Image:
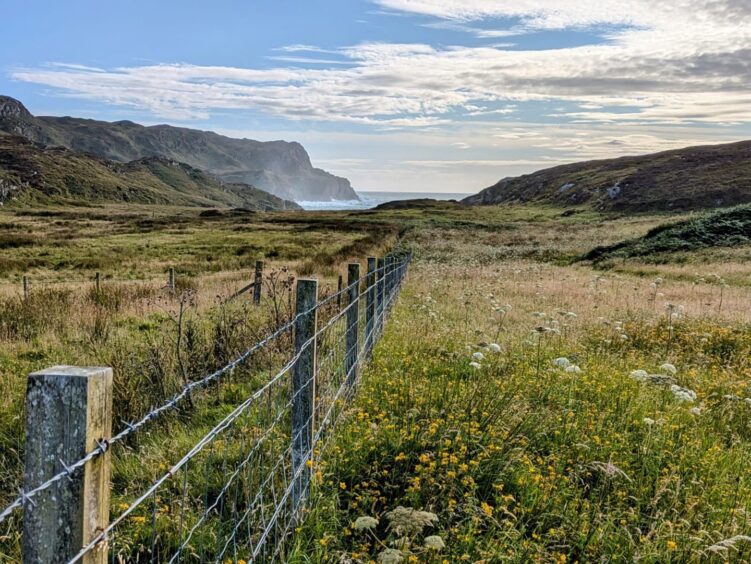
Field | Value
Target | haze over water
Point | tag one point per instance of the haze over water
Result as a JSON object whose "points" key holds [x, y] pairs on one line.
{"points": [[369, 200]]}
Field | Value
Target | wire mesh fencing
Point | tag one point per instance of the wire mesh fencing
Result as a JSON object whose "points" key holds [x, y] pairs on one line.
{"points": [[235, 490]]}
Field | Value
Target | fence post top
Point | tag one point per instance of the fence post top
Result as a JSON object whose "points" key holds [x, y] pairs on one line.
{"points": [[73, 371]]}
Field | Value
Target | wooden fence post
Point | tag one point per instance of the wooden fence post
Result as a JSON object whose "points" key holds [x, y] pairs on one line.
{"points": [[339, 292], [380, 295], [303, 387], [370, 304], [258, 281], [390, 262], [353, 323], [98, 282], [68, 410], [25, 287], [171, 280]]}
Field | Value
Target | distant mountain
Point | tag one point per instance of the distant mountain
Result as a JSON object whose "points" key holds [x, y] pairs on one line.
{"points": [[30, 173], [684, 179], [279, 167]]}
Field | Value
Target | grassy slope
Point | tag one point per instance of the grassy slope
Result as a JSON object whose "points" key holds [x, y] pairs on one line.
{"points": [[725, 228], [522, 461], [684, 179], [514, 459], [64, 176]]}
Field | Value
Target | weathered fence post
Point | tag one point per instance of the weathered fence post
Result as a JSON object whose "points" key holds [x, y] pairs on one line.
{"points": [[258, 282], [353, 322], [68, 413], [98, 282], [380, 295], [25, 287], [171, 280], [303, 387], [339, 292], [370, 304]]}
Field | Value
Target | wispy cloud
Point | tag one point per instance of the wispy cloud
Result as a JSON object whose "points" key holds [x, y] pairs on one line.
{"points": [[688, 60], [665, 67]]}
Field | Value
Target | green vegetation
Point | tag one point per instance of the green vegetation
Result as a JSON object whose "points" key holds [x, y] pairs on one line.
{"points": [[695, 178], [724, 228], [278, 167], [503, 417], [506, 402], [30, 175]]}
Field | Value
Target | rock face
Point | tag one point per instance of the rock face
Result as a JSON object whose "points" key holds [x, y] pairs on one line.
{"points": [[685, 179], [279, 167]]}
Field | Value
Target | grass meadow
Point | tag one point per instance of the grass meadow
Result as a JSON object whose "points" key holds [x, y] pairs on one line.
{"points": [[521, 407], [528, 411]]}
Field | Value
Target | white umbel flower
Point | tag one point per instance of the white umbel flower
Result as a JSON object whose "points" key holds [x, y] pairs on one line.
{"points": [[668, 368], [638, 375]]}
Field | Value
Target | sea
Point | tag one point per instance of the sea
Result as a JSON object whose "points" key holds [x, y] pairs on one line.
{"points": [[369, 200]]}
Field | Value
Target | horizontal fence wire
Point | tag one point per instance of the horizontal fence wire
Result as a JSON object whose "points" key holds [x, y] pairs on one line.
{"points": [[235, 494], [67, 469]]}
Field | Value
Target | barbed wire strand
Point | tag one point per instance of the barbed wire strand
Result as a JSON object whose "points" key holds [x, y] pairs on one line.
{"points": [[131, 428], [242, 408]]}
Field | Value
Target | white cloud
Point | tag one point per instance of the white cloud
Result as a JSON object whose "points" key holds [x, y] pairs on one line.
{"points": [[665, 66], [683, 60]]}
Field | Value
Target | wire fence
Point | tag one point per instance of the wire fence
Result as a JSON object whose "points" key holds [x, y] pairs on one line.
{"points": [[237, 492]]}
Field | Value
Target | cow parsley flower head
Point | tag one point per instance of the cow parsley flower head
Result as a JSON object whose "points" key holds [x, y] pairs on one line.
{"points": [[478, 356], [683, 394], [434, 542], [638, 375], [365, 522], [648, 421], [562, 362], [668, 368], [494, 347], [574, 369], [475, 365], [390, 556], [408, 521]]}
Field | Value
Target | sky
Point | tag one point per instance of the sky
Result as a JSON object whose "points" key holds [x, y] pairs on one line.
{"points": [[398, 95]]}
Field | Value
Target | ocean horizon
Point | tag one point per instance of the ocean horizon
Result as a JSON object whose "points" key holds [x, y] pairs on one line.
{"points": [[371, 199]]}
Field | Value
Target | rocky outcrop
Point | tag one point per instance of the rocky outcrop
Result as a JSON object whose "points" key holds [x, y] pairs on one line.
{"points": [[12, 108], [279, 167]]}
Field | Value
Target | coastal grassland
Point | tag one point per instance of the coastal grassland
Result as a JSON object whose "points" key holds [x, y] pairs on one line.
{"points": [[518, 459], [154, 339], [552, 446]]}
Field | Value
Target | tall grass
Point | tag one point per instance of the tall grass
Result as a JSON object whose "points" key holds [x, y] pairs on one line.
{"points": [[536, 442]]}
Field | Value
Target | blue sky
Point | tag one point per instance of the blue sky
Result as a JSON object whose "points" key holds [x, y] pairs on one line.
{"points": [[413, 95]]}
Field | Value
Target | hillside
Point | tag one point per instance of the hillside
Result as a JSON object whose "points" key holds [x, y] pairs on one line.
{"points": [[279, 167], [30, 173], [724, 228], [685, 179]]}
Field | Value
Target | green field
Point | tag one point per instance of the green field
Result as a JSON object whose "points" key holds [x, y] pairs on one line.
{"points": [[503, 410]]}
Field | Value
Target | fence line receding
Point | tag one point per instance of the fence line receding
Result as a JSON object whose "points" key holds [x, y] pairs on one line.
{"points": [[237, 491]]}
